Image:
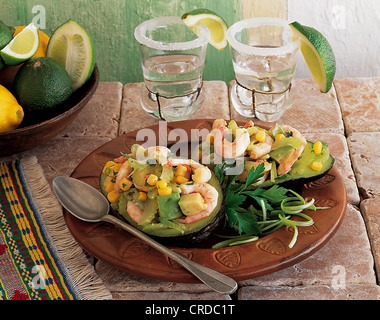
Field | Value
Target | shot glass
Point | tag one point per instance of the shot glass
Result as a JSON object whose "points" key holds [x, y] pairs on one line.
{"points": [[172, 59], [264, 60]]}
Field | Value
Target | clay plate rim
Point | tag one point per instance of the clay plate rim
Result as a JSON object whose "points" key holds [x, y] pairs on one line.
{"points": [[269, 254]]}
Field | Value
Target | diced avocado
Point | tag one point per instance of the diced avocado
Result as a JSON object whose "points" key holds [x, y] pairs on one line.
{"points": [[281, 153], [293, 142], [167, 174], [284, 148], [168, 206], [192, 204]]}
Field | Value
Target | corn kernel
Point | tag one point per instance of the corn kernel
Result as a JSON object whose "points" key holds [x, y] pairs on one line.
{"points": [[107, 165], [125, 184], [181, 180], [110, 186], [142, 196], [162, 184], [165, 191], [180, 171], [279, 137], [317, 147], [316, 166], [113, 196], [260, 136], [152, 180]]}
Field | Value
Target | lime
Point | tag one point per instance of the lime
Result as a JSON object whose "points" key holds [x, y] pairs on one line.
{"points": [[318, 55], [22, 47], [6, 34], [212, 21], [73, 48], [41, 83]]}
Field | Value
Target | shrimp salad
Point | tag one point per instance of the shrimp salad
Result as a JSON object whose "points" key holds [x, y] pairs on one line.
{"points": [[160, 194], [278, 148]]}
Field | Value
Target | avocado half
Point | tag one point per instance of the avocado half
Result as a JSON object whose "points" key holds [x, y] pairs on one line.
{"points": [[190, 234], [301, 172]]}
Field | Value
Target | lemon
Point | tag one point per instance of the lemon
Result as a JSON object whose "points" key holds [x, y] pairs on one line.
{"points": [[22, 47], [73, 48], [212, 21], [41, 83], [11, 113], [318, 54]]}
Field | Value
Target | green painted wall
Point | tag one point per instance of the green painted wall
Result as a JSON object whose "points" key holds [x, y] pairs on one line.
{"points": [[111, 24]]}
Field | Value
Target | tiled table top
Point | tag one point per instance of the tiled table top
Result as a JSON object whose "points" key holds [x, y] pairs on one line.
{"points": [[347, 118]]}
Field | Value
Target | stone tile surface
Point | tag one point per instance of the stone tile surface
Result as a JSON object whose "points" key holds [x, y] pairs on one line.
{"points": [[318, 292], [364, 149], [151, 296], [312, 111], [100, 117], [128, 285], [359, 100], [133, 117], [60, 156], [370, 209], [339, 257]]}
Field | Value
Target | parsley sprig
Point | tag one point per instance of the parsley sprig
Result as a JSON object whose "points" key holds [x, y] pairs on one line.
{"points": [[258, 212]]}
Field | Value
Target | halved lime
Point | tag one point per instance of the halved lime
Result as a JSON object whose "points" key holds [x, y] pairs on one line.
{"points": [[212, 21], [318, 54], [74, 49], [22, 47]]}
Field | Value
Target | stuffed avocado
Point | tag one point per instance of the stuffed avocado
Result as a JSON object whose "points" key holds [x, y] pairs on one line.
{"points": [[287, 156], [164, 196]]}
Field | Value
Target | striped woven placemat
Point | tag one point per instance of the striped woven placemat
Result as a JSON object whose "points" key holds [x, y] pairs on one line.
{"points": [[39, 259]]}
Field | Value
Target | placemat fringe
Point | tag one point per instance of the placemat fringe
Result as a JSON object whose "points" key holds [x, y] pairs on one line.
{"points": [[82, 273]]}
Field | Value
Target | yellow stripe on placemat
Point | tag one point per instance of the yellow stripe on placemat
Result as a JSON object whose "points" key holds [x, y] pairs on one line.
{"points": [[54, 291], [39, 240], [31, 242]]}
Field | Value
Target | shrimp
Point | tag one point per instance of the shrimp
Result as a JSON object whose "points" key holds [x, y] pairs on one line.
{"points": [[262, 148], [210, 196], [125, 171], [201, 173], [224, 148], [134, 211], [287, 164]]}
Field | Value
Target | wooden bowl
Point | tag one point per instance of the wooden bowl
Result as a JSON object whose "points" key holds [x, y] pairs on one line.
{"points": [[38, 129]]}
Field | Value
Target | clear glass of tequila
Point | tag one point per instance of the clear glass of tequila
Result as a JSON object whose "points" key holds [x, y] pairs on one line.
{"points": [[264, 59], [172, 58]]}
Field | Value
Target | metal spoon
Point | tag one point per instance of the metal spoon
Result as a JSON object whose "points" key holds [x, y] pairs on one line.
{"points": [[88, 204]]}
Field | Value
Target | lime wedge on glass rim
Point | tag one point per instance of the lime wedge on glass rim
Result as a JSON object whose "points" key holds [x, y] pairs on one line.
{"points": [[212, 21], [318, 55], [22, 47], [73, 48]]}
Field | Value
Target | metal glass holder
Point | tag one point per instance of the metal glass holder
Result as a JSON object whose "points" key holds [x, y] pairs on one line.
{"points": [[157, 98], [254, 92]]}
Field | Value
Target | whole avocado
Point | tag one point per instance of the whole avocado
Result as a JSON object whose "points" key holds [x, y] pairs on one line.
{"points": [[42, 83]]}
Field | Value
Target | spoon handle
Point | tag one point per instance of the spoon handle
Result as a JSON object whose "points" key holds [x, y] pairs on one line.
{"points": [[215, 280]]}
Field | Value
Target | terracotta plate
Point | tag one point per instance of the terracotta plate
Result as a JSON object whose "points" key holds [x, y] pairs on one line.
{"points": [[271, 253]]}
